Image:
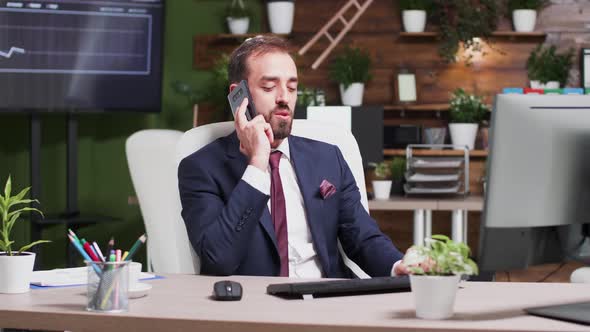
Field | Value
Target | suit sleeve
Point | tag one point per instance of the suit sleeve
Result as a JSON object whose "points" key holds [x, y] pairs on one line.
{"points": [[219, 232], [359, 234]]}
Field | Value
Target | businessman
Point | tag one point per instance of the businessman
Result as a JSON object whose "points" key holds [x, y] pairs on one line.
{"points": [[263, 202]]}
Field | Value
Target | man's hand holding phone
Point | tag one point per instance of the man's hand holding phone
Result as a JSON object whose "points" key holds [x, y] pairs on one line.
{"points": [[255, 137]]}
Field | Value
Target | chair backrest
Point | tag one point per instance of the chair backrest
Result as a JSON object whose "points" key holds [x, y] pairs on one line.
{"points": [[152, 164], [198, 137]]}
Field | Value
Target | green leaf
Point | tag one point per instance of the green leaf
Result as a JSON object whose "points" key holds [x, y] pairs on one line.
{"points": [[11, 221], [23, 201], [17, 199], [28, 246], [21, 210], [2, 245], [7, 188]]}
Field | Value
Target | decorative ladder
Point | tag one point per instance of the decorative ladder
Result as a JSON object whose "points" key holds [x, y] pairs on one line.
{"points": [[324, 30]]}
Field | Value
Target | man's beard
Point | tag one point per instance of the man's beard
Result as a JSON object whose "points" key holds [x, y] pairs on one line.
{"points": [[281, 128]]}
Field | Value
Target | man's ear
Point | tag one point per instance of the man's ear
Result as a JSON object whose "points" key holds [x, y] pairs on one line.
{"points": [[232, 86]]}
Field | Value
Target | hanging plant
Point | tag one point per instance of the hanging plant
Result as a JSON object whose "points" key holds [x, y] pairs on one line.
{"points": [[464, 23]]}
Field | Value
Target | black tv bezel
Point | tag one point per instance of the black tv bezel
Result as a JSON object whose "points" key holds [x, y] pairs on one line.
{"points": [[92, 110]]}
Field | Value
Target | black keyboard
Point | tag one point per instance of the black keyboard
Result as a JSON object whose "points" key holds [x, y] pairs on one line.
{"points": [[341, 287]]}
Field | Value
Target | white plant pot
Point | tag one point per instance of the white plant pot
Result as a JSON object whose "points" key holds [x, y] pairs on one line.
{"points": [[463, 134], [280, 16], [414, 20], [524, 20], [434, 296], [382, 189], [238, 25], [353, 95], [549, 85], [16, 272]]}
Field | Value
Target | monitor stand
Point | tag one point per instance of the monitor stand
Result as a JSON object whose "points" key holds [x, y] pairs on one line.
{"points": [[71, 217]]}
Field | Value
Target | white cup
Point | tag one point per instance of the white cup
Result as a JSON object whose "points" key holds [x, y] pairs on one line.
{"points": [[134, 272]]}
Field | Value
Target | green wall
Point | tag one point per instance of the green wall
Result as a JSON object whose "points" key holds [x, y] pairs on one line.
{"points": [[104, 181]]}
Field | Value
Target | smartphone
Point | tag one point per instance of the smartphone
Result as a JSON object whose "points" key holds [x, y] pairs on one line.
{"points": [[236, 97]]}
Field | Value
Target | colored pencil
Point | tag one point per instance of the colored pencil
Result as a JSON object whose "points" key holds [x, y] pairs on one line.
{"points": [[136, 246]]}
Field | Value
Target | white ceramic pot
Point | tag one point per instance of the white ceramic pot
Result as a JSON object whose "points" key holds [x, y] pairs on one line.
{"points": [[16, 272], [463, 134], [414, 20], [280, 16], [434, 296], [382, 189], [238, 25], [549, 85], [353, 95], [524, 20]]}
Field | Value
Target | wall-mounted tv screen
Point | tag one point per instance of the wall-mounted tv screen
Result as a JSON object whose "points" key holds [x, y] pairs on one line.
{"points": [[75, 55]]}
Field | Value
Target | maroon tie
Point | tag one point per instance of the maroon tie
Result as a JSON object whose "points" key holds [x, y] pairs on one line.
{"points": [[279, 212]]}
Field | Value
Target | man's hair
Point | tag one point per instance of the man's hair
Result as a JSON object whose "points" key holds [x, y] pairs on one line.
{"points": [[237, 69]]}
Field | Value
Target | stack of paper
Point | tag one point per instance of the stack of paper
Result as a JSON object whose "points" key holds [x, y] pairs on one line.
{"points": [[69, 277]]}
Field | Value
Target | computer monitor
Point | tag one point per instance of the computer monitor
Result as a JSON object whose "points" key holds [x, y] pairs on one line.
{"points": [[538, 193]]}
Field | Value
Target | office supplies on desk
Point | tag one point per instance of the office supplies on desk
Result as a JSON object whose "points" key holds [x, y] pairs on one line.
{"points": [[136, 246], [344, 287], [70, 277], [81, 251], [227, 290]]}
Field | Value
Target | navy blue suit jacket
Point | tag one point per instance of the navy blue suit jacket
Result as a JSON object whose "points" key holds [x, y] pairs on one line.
{"points": [[231, 229]]}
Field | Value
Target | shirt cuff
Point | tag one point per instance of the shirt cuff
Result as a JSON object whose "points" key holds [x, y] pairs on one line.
{"points": [[393, 274], [258, 179]]}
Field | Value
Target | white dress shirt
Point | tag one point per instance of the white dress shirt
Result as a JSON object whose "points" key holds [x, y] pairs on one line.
{"points": [[303, 259]]}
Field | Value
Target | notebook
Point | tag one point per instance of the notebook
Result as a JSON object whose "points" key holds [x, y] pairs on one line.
{"points": [[68, 277], [344, 287]]}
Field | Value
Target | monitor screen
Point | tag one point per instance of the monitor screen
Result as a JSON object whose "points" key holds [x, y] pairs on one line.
{"points": [[538, 172], [69, 55]]}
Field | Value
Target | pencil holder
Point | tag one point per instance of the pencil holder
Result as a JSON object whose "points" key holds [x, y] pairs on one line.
{"points": [[108, 284]]}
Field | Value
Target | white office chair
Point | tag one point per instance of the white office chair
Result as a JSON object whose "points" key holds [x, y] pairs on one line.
{"points": [[151, 155], [198, 137]]}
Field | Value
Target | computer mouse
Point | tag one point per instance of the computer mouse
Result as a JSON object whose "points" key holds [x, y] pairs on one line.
{"points": [[227, 290]]}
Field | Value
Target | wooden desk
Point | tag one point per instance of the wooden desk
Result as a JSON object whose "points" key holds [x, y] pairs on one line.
{"points": [[423, 208], [182, 303]]}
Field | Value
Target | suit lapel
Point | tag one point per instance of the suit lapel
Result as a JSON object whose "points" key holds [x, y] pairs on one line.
{"points": [[237, 164], [308, 182]]}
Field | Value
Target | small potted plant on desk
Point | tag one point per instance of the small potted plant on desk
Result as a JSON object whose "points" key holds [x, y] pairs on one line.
{"points": [[467, 111], [435, 271], [351, 70], [524, 13], [16, 267], [238, 17], [547, 69], [382, 180]]}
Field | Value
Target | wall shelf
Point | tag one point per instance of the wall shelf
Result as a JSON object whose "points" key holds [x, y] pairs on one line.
{"points": [[418, 107], [447, 153], [500, 33]]}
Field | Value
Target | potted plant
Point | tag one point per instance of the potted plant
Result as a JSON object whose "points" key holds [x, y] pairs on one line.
{"points": [[414, 14], [280, 15], [464, 23], [547, 69], [435, 270], [238, 17], [382, 180], [351, 69], [398, 170], [16, 266], [467, 111], [524, 13]]}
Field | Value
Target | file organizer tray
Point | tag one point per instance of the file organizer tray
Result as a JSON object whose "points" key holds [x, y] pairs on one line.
{"points": [[439, 173]]}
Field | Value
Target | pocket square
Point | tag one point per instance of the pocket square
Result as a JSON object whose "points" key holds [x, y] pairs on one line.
{"points": [[327, 189]]}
